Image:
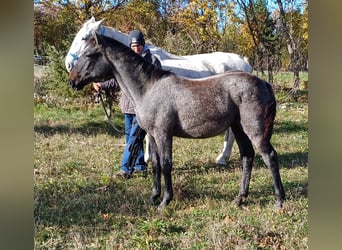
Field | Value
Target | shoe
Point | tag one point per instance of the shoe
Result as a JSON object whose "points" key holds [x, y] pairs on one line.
{"points": [[140, 172], [122, 174]]}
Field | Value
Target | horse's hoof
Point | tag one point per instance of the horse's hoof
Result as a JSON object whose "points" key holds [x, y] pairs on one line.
{"points": [[161, 208], [221, 161], [162, 205], [279, 205], [153, 200], [238, 201], [147, 159]]}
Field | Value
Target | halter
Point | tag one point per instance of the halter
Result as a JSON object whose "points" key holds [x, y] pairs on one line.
{"points": [[76, 57]]}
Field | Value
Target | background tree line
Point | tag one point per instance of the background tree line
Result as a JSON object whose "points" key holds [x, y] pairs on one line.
{"points": [[272, 34]]}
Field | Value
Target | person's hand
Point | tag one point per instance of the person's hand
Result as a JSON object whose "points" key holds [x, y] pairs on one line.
{"points": [[97, 86]]}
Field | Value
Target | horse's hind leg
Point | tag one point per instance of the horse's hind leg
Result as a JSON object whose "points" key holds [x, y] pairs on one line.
{"points": [[261, 140], [247, 156], [258, 125], [270, 157], [223, 157]]}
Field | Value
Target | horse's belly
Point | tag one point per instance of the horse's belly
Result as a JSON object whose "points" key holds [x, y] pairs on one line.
{"points": [[197, 126]]}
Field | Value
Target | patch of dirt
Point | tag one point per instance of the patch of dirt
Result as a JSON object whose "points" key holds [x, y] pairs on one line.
{"points": [[39, 71]]}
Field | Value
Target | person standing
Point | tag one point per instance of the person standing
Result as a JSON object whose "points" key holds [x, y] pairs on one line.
{"points": [[133, 156]]}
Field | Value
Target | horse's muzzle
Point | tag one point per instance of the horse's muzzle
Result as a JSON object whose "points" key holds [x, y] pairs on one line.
{"points": [[73, 85]]}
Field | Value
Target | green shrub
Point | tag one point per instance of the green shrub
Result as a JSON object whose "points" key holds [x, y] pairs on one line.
{"points": [[57, 76], [56, 80]]}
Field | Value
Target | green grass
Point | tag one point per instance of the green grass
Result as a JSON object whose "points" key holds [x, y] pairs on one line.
{"points": [[76, 152]]}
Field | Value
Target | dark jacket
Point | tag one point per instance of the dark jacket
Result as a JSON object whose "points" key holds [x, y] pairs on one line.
{"points": [[126, 105]]}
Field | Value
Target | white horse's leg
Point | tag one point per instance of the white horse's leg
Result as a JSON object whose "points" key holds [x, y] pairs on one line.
{"points": [[227, 148], [220, 159], [147, 156]]}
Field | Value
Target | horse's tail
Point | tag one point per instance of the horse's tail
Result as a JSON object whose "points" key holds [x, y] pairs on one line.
{"points": [[269, 113]]}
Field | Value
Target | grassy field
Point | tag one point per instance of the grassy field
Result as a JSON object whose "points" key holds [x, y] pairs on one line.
{"points": [[76, 152]]}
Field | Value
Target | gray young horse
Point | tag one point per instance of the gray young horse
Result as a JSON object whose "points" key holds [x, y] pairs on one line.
{"points": [[192, 66], [168, 105]]}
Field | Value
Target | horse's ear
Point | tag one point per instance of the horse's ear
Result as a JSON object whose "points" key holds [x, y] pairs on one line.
{"points": [[97, 38], [98, 23]]}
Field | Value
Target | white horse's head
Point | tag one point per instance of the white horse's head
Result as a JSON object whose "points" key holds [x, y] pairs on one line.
{"points": [[80, 42]]}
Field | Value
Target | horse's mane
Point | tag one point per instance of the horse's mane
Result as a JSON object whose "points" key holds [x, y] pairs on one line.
{"points": [[115, 30], [141, 64], [111, 28], [161, 52]]}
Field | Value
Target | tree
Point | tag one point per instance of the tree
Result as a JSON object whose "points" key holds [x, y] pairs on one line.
{"points": [[289, 25], [198, 22], [57, 21], [272, 37], [47, 29], [262, 31], [304, 37], [142, 15]]}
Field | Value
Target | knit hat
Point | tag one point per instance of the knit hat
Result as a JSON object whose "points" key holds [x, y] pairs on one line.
{"points": [[135, 36]]}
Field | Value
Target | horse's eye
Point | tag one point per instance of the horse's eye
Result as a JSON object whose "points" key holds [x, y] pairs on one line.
{"points": [[84, 38], [93, 55]]}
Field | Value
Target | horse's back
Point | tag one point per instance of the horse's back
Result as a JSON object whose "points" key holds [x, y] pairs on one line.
{"points": [[220, 62], [237, 88], [201, 108]]}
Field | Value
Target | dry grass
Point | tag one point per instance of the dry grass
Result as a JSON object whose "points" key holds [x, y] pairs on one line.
{"points": [[76, 153], [78, 206]]}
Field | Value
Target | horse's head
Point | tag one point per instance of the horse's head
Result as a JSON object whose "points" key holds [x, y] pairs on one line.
{"points": [[80, 42], [92, 65]]}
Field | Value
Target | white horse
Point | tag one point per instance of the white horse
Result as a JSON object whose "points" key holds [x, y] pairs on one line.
{"points": [[192, 66]]}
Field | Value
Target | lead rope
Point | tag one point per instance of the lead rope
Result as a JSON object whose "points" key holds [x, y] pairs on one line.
{"points": [[110, 185], [99, 94]]}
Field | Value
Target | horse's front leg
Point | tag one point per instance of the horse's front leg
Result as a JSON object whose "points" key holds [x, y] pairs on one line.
{"points": [[156, 188], [165, 154], [223, 157]]}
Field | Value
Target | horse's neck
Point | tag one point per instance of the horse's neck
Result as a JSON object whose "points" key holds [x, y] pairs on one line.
{"points": [[129, 76], [111, 33]]}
